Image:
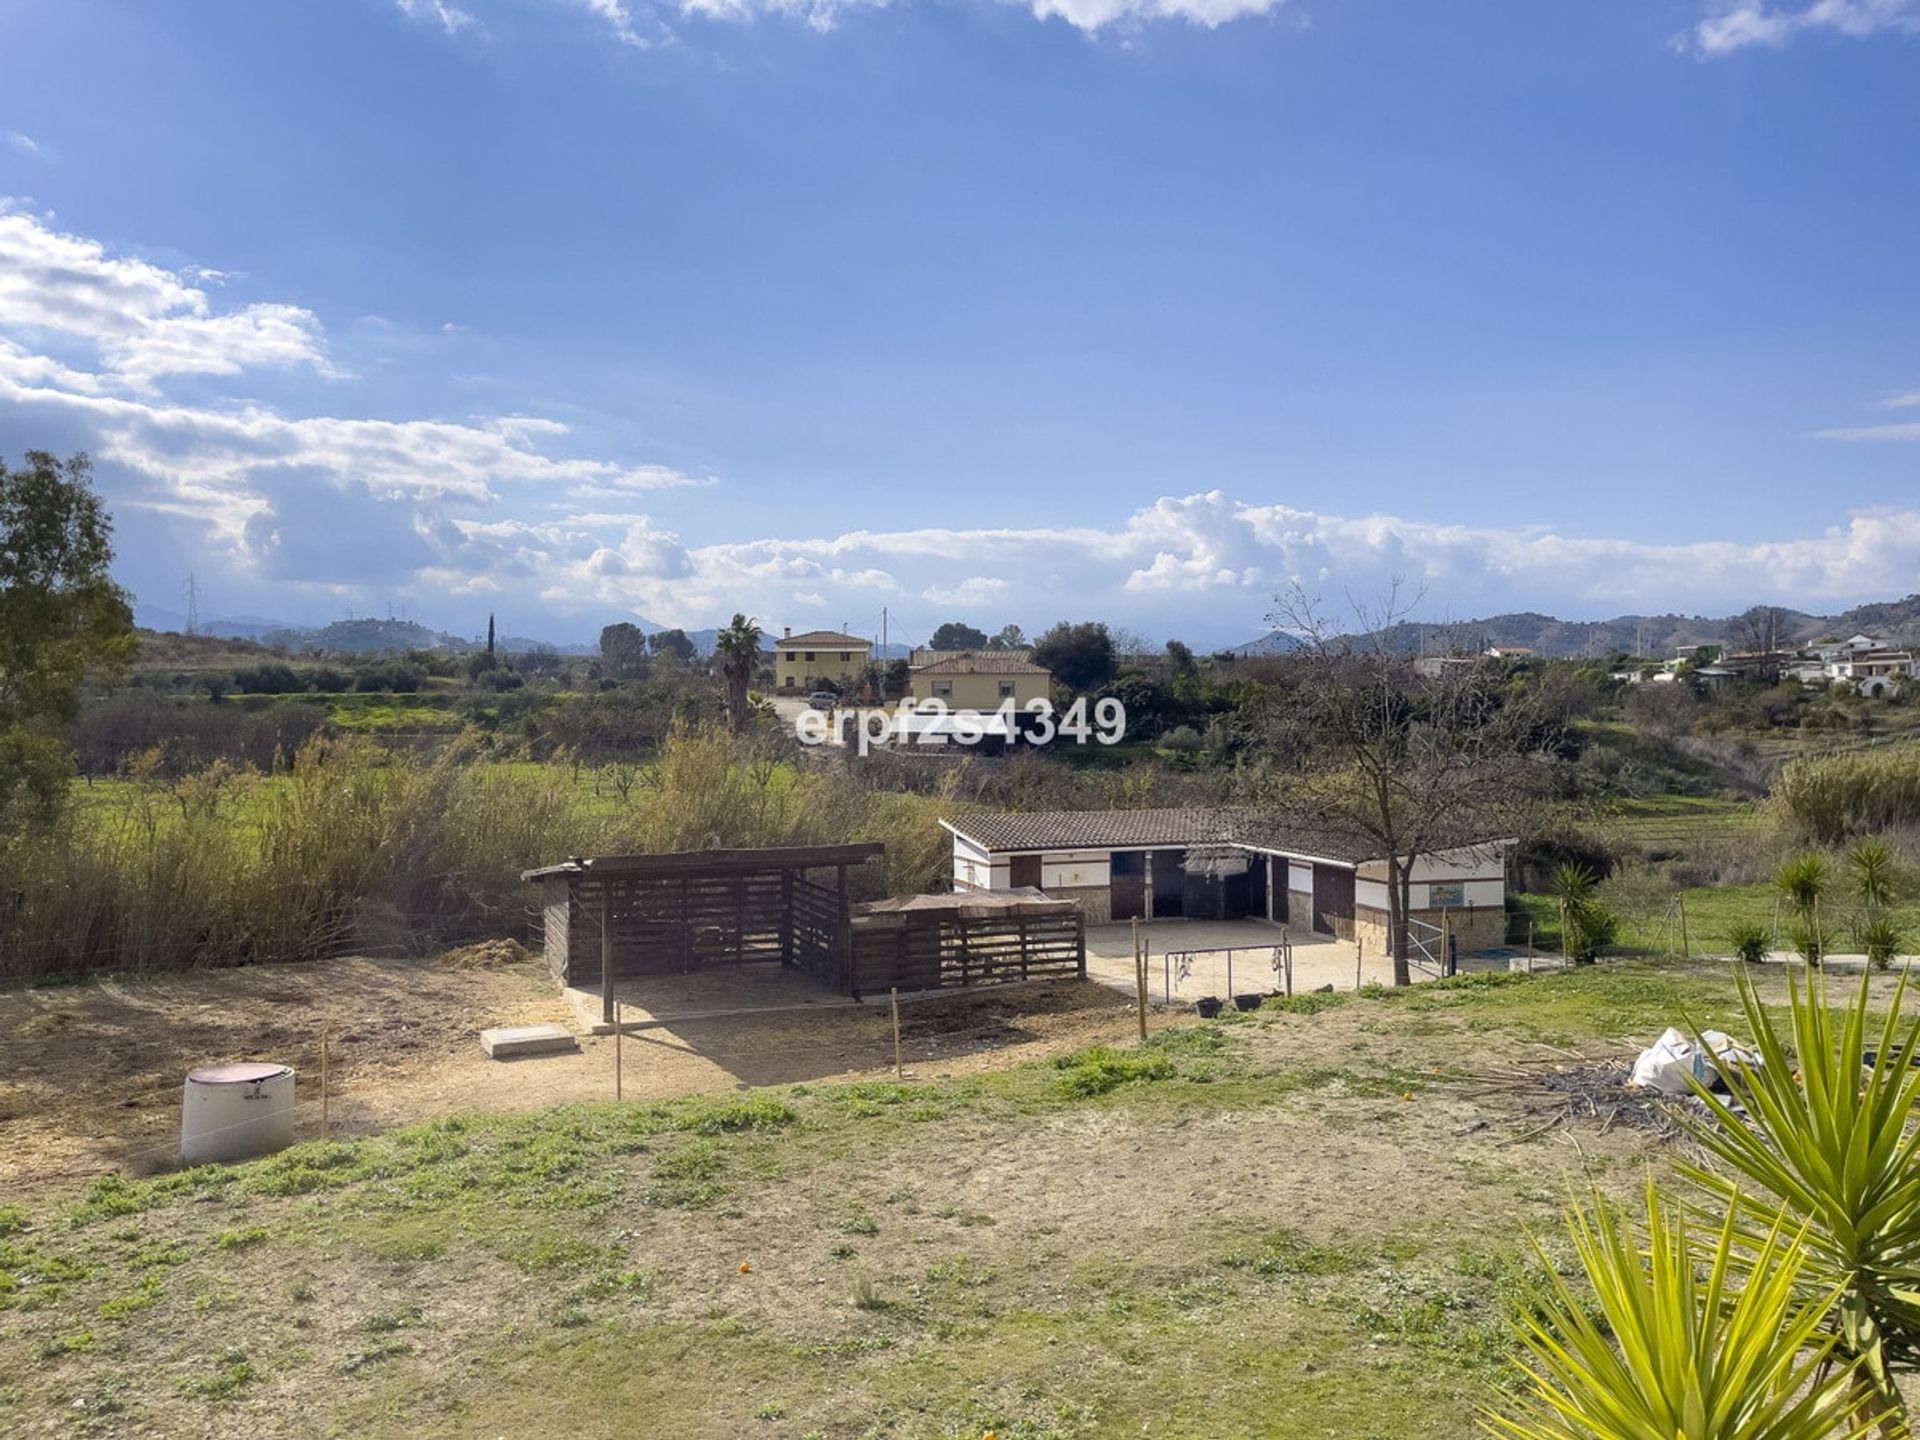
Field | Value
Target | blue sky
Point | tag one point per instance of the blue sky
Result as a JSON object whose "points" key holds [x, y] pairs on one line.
{"points": [[1137, 309]]}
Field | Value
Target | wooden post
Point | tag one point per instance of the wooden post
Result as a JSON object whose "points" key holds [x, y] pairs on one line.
{"points": [[1686, 943], [1446, 942], [324, 1116], [606, 950], [843, 941], [1530, 949], [1566, 939], [1140, 978], [619, 1072], [899, 1071], [1359, 958]]}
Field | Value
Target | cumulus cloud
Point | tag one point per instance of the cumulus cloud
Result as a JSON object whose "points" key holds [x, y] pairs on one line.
{"points": [[142, 322], [1205, 559], [285, 496], [1747, 23], [973, 592], [434, 509], [20, 141]]}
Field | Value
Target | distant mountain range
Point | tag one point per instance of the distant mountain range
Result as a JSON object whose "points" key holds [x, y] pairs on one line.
{"points": [[370, 636], [1654, 636]]}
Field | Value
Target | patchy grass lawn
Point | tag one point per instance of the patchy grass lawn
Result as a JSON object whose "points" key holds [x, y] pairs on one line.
{"points": [[1306, 1221]]}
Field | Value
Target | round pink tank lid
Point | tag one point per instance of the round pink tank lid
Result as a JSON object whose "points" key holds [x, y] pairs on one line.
{"points": [[246, 1072]]}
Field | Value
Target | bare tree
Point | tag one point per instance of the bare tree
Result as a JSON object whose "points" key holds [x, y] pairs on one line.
{"points": [[1405, 763], [1760, 630]]}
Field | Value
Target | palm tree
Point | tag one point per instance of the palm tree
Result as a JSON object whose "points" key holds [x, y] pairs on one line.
{"points": [[738, 647]]}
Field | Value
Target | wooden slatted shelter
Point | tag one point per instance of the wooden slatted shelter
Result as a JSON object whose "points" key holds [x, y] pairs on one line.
{"points": [[613, 917], [928, 942]]}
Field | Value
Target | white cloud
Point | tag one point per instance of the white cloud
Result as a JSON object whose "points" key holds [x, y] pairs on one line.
{"points": [[143, 322], [973, 592], [644, 24], [1904, 401], [1747, 23], [23, 142], [1905, 431], [450, 18], [427, 509]]}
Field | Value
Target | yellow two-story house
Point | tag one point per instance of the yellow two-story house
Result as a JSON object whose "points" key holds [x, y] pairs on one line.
{"points": [[801, 662], [982, 681]]}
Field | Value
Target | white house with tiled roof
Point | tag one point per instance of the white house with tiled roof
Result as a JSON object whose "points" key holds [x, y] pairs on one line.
{"points": [[802, 662]]}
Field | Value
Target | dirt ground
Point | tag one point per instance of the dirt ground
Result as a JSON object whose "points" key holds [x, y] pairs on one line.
{"points": [[91, 1074]]}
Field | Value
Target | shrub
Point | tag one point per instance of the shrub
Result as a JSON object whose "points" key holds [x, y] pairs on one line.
{"points": [[1831, 797], [1881, 939], [1808, 944], [1748, 941]]}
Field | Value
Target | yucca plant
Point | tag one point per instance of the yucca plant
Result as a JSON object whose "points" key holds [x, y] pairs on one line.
{"points": [[1803, 882], [1825, 1148], [1587, 927], [1873, 874], [1679, 1349], [1748, 940], [1880, 938]]}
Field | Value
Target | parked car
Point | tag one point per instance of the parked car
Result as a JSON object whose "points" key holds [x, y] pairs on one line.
{"points": [[822, 700]]}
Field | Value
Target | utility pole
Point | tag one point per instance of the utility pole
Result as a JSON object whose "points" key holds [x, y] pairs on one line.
{"points": [[192, 592]]}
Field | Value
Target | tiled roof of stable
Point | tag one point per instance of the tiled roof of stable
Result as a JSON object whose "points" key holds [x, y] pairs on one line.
{"points": [[1010, 830], [1090, 829], [819, 638], [985, 663]]}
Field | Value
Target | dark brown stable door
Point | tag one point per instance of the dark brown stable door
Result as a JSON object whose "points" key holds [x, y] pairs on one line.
{"points": [[1128, 885], [1332, 900], [1025, 871]]}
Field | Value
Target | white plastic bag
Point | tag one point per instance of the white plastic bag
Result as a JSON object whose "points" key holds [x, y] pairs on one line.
{"points": [[1666, 1064]]}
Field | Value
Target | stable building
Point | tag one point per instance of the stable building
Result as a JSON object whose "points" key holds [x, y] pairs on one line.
{"points": [[1226, 864]]}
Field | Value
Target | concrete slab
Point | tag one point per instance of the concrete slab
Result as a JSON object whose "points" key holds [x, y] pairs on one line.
{"points": [[510, 1042]]}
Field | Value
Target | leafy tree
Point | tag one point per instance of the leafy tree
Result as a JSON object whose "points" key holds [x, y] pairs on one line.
{"points": [[1008, 637], [957, 635], [1080, 655], [738, 647], [672, 645], [61, 617], [1180, 657], [623, 651]]}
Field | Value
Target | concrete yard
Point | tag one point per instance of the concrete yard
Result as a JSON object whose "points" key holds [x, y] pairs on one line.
{"points": [[1317, 959]]}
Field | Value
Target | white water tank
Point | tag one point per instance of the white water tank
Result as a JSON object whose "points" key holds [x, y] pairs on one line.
{"points": [[230, 1112]]}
